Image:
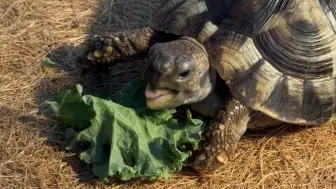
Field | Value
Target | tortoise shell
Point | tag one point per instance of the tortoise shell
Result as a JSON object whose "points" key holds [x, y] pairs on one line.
{"points": [[276, 56]]}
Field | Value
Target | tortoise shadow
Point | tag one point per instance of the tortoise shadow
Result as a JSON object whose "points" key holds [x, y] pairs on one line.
{"points": [[64, 74], [284, 129]]}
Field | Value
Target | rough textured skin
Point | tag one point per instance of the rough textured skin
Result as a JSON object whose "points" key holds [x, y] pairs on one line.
{"points": [[278, 58], [224, 131], [221, 136], [107, 49]]}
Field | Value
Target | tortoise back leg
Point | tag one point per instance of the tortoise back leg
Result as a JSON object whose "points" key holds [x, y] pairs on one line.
{"points": [[107, 49], [223, 133]]}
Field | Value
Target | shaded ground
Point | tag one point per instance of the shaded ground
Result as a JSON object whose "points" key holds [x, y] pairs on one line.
{"points": [[31, 145]]}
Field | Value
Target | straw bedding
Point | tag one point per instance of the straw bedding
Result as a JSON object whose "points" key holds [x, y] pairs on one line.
{"points": [[31, 143]]}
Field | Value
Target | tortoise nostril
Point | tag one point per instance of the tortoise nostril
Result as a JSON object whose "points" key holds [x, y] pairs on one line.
{"points": [[152, 75], [184, 74]]}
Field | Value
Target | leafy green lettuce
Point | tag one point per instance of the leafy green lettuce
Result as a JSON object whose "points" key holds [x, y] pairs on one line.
{"points": [[122, 137]]}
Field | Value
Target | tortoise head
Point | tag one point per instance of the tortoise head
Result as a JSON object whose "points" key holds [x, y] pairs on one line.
{"points": [[178, 73]]}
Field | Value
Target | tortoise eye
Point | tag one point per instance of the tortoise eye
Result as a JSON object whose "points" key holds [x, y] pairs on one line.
{"points": [[184, 73]]}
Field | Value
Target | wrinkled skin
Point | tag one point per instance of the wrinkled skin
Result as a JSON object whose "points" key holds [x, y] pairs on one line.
{"points": [[178, 73]]}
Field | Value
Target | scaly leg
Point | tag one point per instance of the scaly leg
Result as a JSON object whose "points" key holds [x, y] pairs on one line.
{"points": [[126, 45], [223, 133]]}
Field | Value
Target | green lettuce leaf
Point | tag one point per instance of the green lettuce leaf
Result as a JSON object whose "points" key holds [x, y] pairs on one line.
{"points": [[121, 137]]}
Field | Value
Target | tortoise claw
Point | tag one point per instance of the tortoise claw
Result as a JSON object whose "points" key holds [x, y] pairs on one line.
{"points": [[207, 163]]}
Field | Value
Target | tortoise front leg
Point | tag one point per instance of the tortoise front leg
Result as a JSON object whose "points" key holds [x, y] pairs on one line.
{"points": [[223, 133], [221, 136], [110, 48], [126, 45]]}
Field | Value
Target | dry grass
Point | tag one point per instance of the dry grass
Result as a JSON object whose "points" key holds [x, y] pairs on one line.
{"points": [[31, 145]]}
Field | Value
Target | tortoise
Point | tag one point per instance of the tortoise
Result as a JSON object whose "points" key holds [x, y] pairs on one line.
{"points": [[244, 63]]}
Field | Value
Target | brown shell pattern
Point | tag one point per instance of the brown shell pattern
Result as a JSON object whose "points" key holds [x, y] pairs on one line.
{"points": [[181, 17], [279, 57]]}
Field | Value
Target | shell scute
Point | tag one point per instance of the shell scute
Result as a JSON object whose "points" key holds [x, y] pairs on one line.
{"points": [[293, 78]]}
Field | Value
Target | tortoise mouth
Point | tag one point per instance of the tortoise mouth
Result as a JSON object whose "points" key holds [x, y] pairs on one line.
{"points": [[157, 93], [157, 97], [163, 98]]}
